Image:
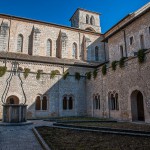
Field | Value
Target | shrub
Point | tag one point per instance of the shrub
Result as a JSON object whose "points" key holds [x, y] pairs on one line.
{"points": [[26, 72], [54, 73], [65, 75], [121, 62], [38, 75], [3, 70], [141, 56], [77, 76], [95, 73], [104, 69], [114, 65], [88, 75]]}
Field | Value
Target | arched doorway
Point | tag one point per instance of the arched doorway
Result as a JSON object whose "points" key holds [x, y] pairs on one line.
{"points": [[12, 100], [137, 106]]}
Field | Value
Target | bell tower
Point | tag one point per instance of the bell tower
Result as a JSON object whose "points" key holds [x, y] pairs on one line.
{"points": [[86, 20]]}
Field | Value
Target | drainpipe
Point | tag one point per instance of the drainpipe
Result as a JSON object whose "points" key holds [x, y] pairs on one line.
{"points": [[125, 43]]}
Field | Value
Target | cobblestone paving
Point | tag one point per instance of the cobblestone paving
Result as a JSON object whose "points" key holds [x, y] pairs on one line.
{"points": [[20, 137]]}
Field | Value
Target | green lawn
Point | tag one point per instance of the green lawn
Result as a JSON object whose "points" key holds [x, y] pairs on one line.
{"points": [[66, 139]]}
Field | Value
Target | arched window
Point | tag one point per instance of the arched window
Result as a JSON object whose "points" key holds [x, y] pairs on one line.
{"points": [[44, 103], [92, 21], [114, 105], [65, 103], [87, 19], [38, 103], [74, 50], [97, 101], [49, 48], [20, 43], [96, 53], [70, 103]]}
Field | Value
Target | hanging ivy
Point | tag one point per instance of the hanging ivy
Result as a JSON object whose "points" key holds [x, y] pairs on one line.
{"points": [[121, 62], [95, 73], [141, 56], [65, 75], [114, 65], [77, 76], [88, 75], [3, 70], [104, 69], [54, 73], [38, 75], [26, 72]]}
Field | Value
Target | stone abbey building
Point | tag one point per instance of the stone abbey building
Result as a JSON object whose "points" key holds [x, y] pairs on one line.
{"points": [[61, 69]]}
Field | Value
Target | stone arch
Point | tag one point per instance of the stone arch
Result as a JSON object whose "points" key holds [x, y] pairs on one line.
{"points": [[90, 29], [137, 106], [12, 100], [20, 43]]}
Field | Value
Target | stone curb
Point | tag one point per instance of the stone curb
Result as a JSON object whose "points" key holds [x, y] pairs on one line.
{"points": [[40, 139], [16, 124], [104, 130]]}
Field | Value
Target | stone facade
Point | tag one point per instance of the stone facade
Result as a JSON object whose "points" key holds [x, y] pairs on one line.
{"points": [[78, 49]]}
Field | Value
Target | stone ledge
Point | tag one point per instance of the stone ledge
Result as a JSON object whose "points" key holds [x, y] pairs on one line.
{"points": [[40, 139]]}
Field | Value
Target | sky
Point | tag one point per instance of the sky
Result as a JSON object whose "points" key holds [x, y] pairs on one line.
{"points": [[60, 11]]}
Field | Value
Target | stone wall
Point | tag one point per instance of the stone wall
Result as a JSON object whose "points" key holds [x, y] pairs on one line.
{"points": [[35, 36], [54, 89], [133, 76], [135, 29]]}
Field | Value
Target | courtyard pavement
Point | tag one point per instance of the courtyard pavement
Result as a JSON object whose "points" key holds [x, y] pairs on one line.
{"points": [[20, 137]]}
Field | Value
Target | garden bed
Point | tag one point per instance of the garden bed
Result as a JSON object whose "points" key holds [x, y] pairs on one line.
{"points": [[66, 139]]}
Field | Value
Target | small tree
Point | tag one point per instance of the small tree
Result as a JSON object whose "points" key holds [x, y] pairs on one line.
{"points": [[38, 75], [121, 62], [3, 70]]}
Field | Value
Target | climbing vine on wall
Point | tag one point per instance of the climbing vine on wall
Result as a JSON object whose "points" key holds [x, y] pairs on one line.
{"points": [[141, 56], [77, 76], [121, 62], [3, 70], [95, 73], [38, 74], [65, 75], [88, 75], [114, 65], [54, 73], [104, 69], [26, 72]]}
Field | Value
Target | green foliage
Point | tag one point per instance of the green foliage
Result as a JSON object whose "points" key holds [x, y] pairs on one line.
{"points": [[114, 65], [95, 73], [141, 56], [3, 70], [26, 72], [77, 76], [65, 75], [104, 69], [121, 62], [54, 73], [88, 75], [38, 75]]}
